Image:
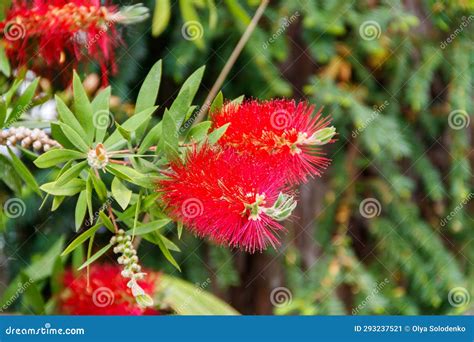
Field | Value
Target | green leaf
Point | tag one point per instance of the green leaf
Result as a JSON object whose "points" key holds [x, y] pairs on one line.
{"points": [[69, 189], [151, 138], [99, 185], [107, 222], [115, 139], [80, 239], [4, 63], [161, 17], [32, 297], [42, 267], [71, 173], [81, 208], [180, 229], [217, 103], [23, 104], [149, 89], [121, 193], [149, 227], [23, 172], [187, 299], [83, 108], [95, 257], [57, 156], [169, 244], [156, 239], [74, 137], [215, 135], [148, 94], [68, 117], [130, 175], [199, 132], [59, 136], [101, 118], [194, 30], [57, 201], [3, 112]]}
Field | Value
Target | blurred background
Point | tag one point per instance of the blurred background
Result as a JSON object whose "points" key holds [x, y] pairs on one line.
{"points": [[389, 228]]}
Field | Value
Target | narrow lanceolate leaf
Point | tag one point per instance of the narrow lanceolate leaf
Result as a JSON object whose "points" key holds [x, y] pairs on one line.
{"points": [[95, 257], [130, 175], [74, 137], [149, 227], [23, 104], [147, 95], [152, 138], [81, 209], [23, 172], [156, 239], [71, 173], [121, 193], [186, 299], [4, 63], [215, 135], [102, 118], [161, 17], [68, 117], [69, 189], [217, 103], [107, 222], [57, 156], [149, 89], [115, 140], [198, 132], [83, 108], [80, 240]]}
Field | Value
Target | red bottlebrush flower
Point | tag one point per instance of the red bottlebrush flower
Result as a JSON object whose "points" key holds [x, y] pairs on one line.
{"points": [[106, 294], [282, 134], [47, 35], [230, 198]]}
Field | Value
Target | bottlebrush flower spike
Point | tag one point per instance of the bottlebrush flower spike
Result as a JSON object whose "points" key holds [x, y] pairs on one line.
{"points": [[47, 35], [106, 294], [230, 198], [282, 134]]}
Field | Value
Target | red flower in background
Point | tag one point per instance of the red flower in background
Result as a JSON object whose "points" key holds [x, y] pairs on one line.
{"points": [[282, 134], [106, 294], [51, 37], [228, 197]]}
